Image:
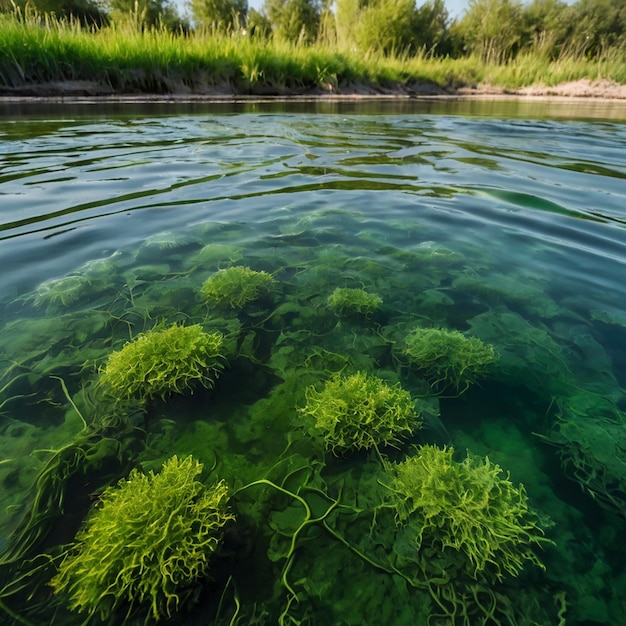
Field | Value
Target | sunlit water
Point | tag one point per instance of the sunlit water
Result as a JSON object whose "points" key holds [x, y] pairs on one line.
{"points": [[505, 225]]}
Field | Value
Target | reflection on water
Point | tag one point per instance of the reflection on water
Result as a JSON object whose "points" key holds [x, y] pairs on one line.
{"points": [[454, 216]]}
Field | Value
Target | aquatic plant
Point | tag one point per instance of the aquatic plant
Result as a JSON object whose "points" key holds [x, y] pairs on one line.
{"points": [[447, 358], [528, 354], [145, 543], [236, 286], [590, 432], [214, 254], [468, 507], [163, 361], [346, 301], [360, 411], [61, 292]]}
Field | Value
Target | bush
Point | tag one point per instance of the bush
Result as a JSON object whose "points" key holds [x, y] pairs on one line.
{"points": [[360, 411], [147, 541], [163, 361]]}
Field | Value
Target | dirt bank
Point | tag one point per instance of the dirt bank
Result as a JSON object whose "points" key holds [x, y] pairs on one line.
{"points": [[599, 89]]}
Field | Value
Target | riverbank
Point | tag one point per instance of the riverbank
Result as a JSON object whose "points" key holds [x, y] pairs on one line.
{"points": [[80, 89]]}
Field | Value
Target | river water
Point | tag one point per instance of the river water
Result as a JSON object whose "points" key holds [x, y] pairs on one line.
{"points": [[502, 220]]}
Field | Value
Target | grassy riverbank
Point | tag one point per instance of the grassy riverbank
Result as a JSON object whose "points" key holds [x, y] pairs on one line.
{"points": [[124, 59]]}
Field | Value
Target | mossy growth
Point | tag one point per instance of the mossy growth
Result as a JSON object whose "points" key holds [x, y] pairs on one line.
{"points": [[447, 358], [146, 543], [237, 286], [469, 507], [163, 361], [344, 301], [360, 411]]}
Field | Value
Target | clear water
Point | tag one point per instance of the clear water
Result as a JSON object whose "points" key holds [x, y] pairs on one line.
{"points": [[501, 220]]}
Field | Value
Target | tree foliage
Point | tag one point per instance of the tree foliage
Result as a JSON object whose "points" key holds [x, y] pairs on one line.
{"points": [[493, 29], [146, 13], [598, 26], [87, 12], [219, 15], [431, 24], [293, 20]]}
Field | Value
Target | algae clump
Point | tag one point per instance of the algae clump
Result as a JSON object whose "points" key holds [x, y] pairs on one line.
{"points": [[346, 301], [163, 361], [237, 286], [469, 507], [447, 358], [147, 542], [360, 411]]}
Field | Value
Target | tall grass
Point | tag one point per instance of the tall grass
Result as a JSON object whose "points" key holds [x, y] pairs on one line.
{"points": [[36, 48]]}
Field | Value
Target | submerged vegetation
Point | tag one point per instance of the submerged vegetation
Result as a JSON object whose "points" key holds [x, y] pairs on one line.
{"points": [[345, 301], [335, 441], [147, 541], [163, 361], [144, 47], [360, 411], [447, 358], [236, 286], [445, 445], [467, 516]]}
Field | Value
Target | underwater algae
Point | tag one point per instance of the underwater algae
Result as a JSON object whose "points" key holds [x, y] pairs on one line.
{"points": [[146, 542], [327, 535], [447, 358], [469, 507], [236, 286], [162, 361], [360, 412], [347, 301]]}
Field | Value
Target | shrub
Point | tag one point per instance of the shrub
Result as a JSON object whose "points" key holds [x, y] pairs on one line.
{"points": [[447, 358], [164, 361], [360, 411], [236, 286], [146, 542], [468, 507], [345, 301]]}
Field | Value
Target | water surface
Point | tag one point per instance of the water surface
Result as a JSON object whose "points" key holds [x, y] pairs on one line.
{"points": [[504, 221]]}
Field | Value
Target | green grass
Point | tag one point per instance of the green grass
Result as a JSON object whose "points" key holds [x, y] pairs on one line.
{"points": [[36, 49]]}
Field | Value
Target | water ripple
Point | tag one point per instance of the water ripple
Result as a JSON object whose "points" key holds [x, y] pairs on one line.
{"points": [[535, 178]]}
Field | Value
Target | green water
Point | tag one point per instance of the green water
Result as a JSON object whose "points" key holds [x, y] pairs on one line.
{"points": [[504, 221]]}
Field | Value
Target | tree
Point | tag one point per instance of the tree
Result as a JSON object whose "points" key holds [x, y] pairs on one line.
{"points": [[600, 25], [387, 26], [347, 13], [146, 13], [431, 27], [547, 26], [221, 15], [293, 20], [87, 12], [258, 24], [492, 29]]}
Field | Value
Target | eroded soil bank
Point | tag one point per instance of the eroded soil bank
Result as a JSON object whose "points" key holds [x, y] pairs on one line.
{"points": [[600, 89]]}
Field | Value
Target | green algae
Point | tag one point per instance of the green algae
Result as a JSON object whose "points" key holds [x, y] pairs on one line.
{"points": [[359, 412], [237, 286], [163, 361], [148, 540], [304, 515], [447, 359], [345, 301]]}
